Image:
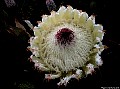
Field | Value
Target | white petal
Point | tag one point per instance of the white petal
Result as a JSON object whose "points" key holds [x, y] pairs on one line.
{"points": [[90, 68], [36, 53], [54, 19], [83, 18], [61, 9], [90, 22], [97, 46], [70, 8], [69, 14], [97, 32], [65, 80], [36, 39], [78, 72], [97, 57], [29, 23], [61, 12], [37, 32], [98, 27], [76, 16], [44, 18], [98, 39], [98, 60], [52, 76]]}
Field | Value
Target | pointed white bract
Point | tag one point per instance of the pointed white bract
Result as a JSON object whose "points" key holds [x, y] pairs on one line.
{"points": [[89, 68], [66, 42], [98, 60], [29, 24]]}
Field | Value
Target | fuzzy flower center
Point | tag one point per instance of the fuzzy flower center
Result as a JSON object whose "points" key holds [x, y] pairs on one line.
{"points": [[64, 36]]}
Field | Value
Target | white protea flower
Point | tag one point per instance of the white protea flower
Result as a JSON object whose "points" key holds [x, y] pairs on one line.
{"points": [[68, 44]]}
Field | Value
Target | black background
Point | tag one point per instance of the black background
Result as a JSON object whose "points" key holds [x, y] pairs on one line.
{"points": [[17, 71]]}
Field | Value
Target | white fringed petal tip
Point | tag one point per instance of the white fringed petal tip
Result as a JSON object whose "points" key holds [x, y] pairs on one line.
{"points": [[67, 43]]}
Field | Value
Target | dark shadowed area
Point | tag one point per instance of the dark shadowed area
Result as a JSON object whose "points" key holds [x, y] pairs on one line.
{"points": [[18, 72]]}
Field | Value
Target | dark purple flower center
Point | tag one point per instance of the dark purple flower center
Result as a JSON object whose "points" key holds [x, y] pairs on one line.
{"points": [[64, 36]]}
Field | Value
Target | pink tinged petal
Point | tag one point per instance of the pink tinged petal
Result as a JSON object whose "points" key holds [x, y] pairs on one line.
{"points": [[52, 76], [48, 76], [78, 74], [64, 81], [90, 68], [40, 66]]}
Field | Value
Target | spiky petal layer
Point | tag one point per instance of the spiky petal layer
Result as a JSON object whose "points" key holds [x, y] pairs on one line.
{"points": [[67, 42]]}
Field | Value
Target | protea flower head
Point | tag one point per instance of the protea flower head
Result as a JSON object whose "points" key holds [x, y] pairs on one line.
{"points": [[67, 44]]}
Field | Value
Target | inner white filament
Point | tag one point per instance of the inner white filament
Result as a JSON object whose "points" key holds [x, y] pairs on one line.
{"points": [[70, 56]]}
